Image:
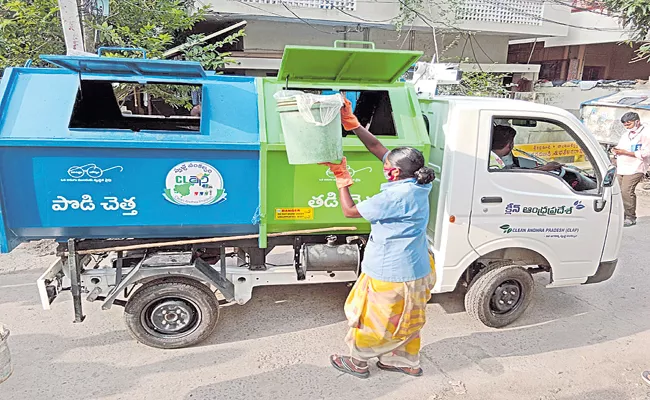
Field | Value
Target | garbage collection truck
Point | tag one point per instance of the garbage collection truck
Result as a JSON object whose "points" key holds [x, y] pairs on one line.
{"points": [[172, 215]]}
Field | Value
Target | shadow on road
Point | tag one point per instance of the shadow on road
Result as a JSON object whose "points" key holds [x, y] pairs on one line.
{"points": [[97, 376], [274, 311], [304, 381]]}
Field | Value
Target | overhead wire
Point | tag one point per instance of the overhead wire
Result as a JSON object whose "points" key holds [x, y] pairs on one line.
{"points": [[340, 9], [483, 51], [306, 22], [406, 37], [474, 54], [591, 10], [310, 24], [430, 23]]}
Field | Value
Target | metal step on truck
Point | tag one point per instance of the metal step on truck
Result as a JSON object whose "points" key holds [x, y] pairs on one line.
{"points": [[172, 215]]}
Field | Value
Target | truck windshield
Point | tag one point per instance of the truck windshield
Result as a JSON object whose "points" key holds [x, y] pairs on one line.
{"points": [[543, 146]]}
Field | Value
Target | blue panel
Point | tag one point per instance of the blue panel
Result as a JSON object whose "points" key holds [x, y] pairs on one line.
{"points": [[127, 66], [154, 193], [42, 100], [57, 182], [230, 110], [39, 105]]}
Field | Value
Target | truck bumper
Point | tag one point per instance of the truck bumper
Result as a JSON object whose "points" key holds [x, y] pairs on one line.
{"points": [[604, 272]]}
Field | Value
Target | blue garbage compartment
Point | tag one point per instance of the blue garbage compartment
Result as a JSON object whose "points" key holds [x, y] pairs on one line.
{"points": [[77, 162]]}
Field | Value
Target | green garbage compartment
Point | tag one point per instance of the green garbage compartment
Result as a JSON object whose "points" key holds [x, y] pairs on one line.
{"points": [[295, 196]]}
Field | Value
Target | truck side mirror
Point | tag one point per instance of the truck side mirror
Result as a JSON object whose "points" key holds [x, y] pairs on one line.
{"points": [[608, 180]]}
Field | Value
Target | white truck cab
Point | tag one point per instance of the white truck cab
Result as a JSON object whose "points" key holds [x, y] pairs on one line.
{"points": [[491, 228]]}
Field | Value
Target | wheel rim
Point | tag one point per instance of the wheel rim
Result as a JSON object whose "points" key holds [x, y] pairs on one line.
{"points": [[171, 317], [507, 297]]}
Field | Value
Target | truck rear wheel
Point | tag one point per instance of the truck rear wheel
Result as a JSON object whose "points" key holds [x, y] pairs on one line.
{"points": [[499, 294], [172, 313]]}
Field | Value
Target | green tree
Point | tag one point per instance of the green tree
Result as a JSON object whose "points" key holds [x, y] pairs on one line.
{"points": [[29, 28], [154, 25], [635, 16]]}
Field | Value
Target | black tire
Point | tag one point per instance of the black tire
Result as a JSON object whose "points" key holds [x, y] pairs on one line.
{"points": [[193, 307], [487, 301]]}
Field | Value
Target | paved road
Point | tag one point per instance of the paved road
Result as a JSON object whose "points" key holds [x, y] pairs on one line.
{"points": [[581, 343]]}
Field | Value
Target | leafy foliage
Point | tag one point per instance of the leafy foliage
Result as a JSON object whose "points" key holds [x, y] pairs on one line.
{"points": [[478, 84], [209, 55], [149, 24], [29, 28], [635, 16]]}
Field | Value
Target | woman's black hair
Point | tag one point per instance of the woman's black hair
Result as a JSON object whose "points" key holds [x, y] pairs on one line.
{"points": [[410, 162]]}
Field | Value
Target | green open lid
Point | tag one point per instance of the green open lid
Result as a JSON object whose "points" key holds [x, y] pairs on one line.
{"points": [[339, 64]]}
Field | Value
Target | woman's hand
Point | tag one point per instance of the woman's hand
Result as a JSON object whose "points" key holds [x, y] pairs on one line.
{"points": [[340, 171], [348, 119], [343, 182]]}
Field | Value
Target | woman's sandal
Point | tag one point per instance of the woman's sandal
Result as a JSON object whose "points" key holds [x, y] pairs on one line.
{"points": [[346, 365], [406, 371]]}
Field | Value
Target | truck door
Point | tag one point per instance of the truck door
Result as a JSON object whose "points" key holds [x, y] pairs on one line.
{"points": [[562, 215]]}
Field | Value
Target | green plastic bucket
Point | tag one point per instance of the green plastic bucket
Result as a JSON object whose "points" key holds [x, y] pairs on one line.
{"points": [[306, 142], [5, 357]]}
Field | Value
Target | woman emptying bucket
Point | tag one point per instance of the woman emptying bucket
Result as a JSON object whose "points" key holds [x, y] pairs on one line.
{"points": [[386, 307]]}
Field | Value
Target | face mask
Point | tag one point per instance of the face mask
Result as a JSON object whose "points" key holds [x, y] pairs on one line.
{"points": [[387, 174], [507, 159], [633, 129]]}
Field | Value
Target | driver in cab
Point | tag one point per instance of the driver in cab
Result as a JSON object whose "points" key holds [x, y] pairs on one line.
{"points": [[501, 157]]}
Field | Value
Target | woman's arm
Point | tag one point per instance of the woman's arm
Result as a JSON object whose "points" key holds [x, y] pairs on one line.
{"points": [[347, 204], [351, 123], [371, 142]]}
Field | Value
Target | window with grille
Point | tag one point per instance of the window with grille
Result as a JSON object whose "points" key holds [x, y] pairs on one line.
{"points": [[350, 5], [518, 12]]}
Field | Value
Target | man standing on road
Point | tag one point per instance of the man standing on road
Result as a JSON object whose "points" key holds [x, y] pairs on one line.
{"points": [[632, 159]]}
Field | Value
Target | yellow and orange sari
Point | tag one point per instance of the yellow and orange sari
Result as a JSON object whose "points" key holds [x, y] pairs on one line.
{"points": [[385, 319]]}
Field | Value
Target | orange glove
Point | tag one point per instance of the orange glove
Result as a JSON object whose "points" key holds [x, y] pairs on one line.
{"points": [[343, 177], [348, 119]]}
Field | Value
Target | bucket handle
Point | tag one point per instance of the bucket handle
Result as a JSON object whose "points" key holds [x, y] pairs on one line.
{"points": [[361, 42], [133, 49]]}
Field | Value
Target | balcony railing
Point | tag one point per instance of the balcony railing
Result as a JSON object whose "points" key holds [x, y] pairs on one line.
{"points": [[516, 12], [349, 5]]}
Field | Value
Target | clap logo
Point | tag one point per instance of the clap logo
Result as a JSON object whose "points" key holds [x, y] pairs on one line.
{"points": [[194, 183]]}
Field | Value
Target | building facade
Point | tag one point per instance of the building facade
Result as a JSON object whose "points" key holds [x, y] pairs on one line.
{"points": [[593, 49], [444, 25]]}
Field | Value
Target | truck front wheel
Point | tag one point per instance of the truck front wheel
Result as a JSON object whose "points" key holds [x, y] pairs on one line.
{"points": [[499, 294], [172, 313]]}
